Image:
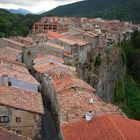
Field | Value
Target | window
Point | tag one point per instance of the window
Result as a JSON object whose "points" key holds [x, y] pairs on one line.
{"points": [[18, 119], [9, 84], [39, 90], [36, 27], [45, 27], [4, 119], [18, 131], [37, 42], [81, 48]]}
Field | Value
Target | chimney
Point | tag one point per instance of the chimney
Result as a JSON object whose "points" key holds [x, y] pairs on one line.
{"points": [[15, 76]]}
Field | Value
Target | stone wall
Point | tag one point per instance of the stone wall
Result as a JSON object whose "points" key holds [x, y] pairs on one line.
{"points": [[49, 96], [104, 76], [6, 43], [52, 119], [23, 122]]}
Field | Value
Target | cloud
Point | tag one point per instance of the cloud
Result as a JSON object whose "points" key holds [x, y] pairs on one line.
{"points": [[30, 2], [21, 2], [34, 5]]}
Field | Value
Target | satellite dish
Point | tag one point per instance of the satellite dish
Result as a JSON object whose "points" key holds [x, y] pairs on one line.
{"points": [[50, 78], [89, 116], [46, 75]]}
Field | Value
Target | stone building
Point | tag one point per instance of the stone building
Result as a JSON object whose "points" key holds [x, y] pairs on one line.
{"points": [[16, 75], [24, 40], [69, 98], [10, 135], [77, 48], [44, 64], [11, 53], [5, 42], [52, 26], [21, 111]]}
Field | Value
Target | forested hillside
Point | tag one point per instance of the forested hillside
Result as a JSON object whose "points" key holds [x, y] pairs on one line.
{"points": [[109, 9], [127, 91], [15, 24]]}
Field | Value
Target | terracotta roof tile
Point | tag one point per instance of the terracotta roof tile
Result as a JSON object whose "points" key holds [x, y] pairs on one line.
{"points": [[42, 58], [46, 68], [69, 41], [74, 99], [53, 45], [16, 70], [73, 41], [68, 82], [74, 105], [22, 40], [80, 42], [43, 68], [14, 42], [10, 53], [54, 35], [105, 127], [74, 95], [21, 99]]}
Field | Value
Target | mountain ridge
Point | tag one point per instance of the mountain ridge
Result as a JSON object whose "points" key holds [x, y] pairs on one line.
{"points": [[19, 11], [108, 9]]}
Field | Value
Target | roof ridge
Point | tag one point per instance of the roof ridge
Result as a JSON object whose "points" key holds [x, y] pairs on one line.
{"points": [[115, 126]]}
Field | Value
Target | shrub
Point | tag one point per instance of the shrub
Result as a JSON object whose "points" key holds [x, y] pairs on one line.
{"points": [[98, 61]]}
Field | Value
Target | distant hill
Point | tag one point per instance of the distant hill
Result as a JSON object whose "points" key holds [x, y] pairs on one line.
{"points": [[19, 11], [16, 24], [110, 9]]}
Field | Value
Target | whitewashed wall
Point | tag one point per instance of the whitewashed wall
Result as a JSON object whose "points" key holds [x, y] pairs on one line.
{"points": [[20, 84], [23, 85]]}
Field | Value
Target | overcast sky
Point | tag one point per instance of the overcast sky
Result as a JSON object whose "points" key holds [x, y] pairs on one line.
{"points": [[34, 5]]}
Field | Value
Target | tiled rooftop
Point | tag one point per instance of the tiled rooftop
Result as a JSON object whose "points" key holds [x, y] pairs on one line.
{"points": [[23, 40], [79, 41], [21, 99], [68, 82], [73, 41], [14, 42], [42, 58], [69, 41], [43, 68], [46, 68], [74, 98], [10, 53], [73, 94], [29, 39], [73, 105], [105, 127], [53, 45], [9, 135], [92, 34], [53, 35], [16, 70]]}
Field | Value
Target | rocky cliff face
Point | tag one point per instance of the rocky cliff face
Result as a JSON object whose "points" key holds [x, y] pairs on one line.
{"points": [[102, 70]]}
